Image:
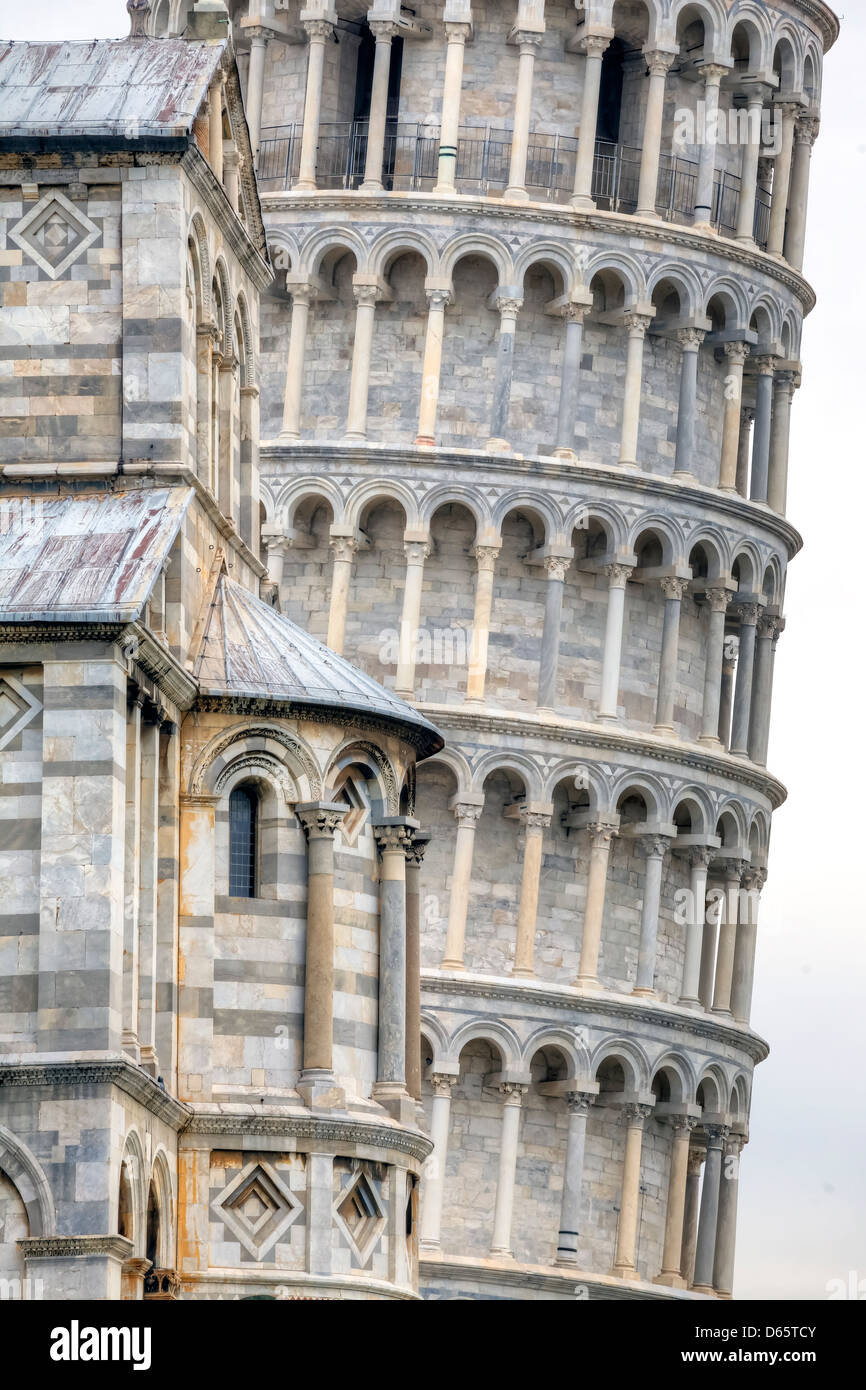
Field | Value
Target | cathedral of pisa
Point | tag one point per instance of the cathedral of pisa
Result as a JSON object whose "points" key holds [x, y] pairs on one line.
{"points": [[394, 438]]}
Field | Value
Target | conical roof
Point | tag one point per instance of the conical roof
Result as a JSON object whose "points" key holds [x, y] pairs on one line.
{"points": [[250, 651]]}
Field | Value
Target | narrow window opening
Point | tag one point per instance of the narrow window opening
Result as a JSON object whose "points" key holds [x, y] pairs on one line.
{"points": [[243, 833]]}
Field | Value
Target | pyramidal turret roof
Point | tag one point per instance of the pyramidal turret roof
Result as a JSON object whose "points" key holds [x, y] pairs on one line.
{"points": [[249, 651]]}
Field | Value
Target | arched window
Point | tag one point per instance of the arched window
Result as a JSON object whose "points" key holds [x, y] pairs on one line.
{"points": [[243, 842]]}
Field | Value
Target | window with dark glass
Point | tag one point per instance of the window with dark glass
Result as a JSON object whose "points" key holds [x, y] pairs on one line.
{"points": [[243, 816]]}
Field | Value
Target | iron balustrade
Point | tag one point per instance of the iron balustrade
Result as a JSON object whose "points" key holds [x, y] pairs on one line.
{"points": [[411, 159]]}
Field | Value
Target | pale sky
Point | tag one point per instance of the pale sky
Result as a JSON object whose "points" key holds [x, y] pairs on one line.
{"points": [[802, 1195]]}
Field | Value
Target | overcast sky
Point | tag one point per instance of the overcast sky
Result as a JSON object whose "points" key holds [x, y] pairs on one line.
{"points": [[803, 1195]]}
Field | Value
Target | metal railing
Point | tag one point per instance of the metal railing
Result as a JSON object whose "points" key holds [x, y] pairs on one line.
{"points": [[411, 158]]}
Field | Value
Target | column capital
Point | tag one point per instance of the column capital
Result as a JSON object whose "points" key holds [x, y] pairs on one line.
{"points": [[318, 30], [344, 547], [458, 31], [806, 130], [712, 73], [486, 556], [533, 820], [512, 1092], [765, 364], [601, 833], [509, 306], [636, 1114], [556, 566], [690, 339], [753, 878], [442, 1082], [394, 834], [573, 311], [788, 379], [672, 587], [717, 600], [467, 812], [384, 30], [748, 613], [659, 61], [365, 294], [736, 353], [636, 322], [700, 856], [439, 298], [594, 45], [716, 1135], [321, 819], [416, 552], [683, 1122], [578, 1102], [654, 846], [416, 847], [526, 39], [770, 626], [697, 1154], [618, 575]]}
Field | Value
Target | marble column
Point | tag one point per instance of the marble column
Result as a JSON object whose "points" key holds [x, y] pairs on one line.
{"points": [[617, 578], [600, 838], [415, 847], [673, 590], [699, 861], [726, 699], [727, 941], [131, 875], [593, 45], [629, 1201], [690, 340], [795, 237], [320, 820], [215, 128], [319, 31], [672, 1255], [485, 559], [749, 614], [782, 181], [449, 133], [392, 836], [508, 311], [745, 232], [431, 371], [736, 354], [658, 64], [726, 1228], [717, 607], [768, 630], [467, 814], [712, 74], [746, 945], [636, 326], [705, 1252], [761, 434], [255, 86], [712, 921], [786, 384], [302, 297], [578, 1103], [362, 348], [343, 548], [527, 43], [654, 847], [744, 446], [555, 567], [416, 553], [383, 30], [574, 315], [535, 823], [434, 1168], [512, 1096], [697, 1154]]}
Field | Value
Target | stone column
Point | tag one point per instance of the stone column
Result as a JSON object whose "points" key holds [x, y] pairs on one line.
{"points": [[699, 861], [384, 30], [782, 181], [654, 848], [415, 847], [535, 823], [712, 74], [763, 423], [690, 340], [215, 128], [343, 548], [795, 237], [673, 590], [749, 614], [527, 43], [637, 325], [148, 886], [320, 820], [508, 311], [578, 1103], [574, 315], [431, 371], [512, 1095], [705, 1252], [449, 135], [768, 630], [255, 86], [467, 814], [195, 1031], [626, 1231], [712, 919], [717, 607], [392, 836], [416, 553], [726, 699], [786, 384], [132, 875], [318, 32], [747, 416], [747, 941], [593, 46], [697, 1154], [727, 941], [362, 348], [726, 1229], [658, 64], [736, 354], [555, 567], [617, 576], [672, 1255], [232, 171], [434, 1169], [749, 175], [302, 296], [485, 558], [601, 834]]}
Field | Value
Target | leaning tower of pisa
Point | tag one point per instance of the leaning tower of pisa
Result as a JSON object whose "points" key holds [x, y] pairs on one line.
{"points": [[528, 370]]}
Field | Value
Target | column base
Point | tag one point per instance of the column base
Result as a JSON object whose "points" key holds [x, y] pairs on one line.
{"points": [[628, 463], [289, 434], [393, 1097], [373, 186], [516, 195], [425, 441], [644, 992], [497, 1254], [498, 446], [567, 1260], [445, 190], [305, 186], [670, 1280], [582, 202], [523, 974], [748, 242], [562, 452], [700, 223], [648, 215], [589, 983], [710, 740], [429, 1247], [452, 965], [624, 1272], [317, 1087], [354, 438], [689, 1002], [149, 1061], [663, 729], [722, 1013], [606, 718], [703, 1288], [684, 475]]}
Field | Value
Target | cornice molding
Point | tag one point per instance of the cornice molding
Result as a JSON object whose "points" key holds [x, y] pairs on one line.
{"points": [[66, 1247], [342, 716], [119, 1072], [544, 1279], [331, 1130], [215, 198]]}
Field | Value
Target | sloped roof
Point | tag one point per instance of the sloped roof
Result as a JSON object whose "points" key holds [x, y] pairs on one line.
{"points": [[121, 87], [92, 558], [250, 651]]}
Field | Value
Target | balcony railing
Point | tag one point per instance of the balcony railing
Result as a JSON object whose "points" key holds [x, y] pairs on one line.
{"points": [[483, 156]]}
